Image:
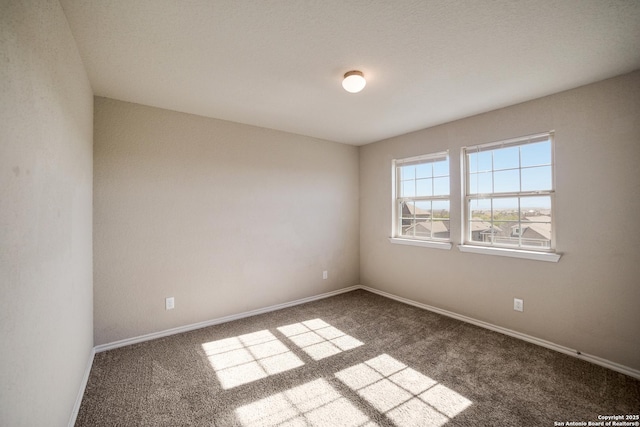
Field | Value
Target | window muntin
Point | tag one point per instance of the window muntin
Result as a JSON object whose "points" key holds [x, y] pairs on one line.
{"points": [[422, 197], [509, 194]]}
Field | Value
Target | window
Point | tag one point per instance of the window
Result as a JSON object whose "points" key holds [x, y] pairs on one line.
{"points": [[421, 199], [509, 191]]}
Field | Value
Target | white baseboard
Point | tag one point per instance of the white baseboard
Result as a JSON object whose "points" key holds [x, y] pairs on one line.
{"points": [[543, 343], [194, 326], [83, 386]]}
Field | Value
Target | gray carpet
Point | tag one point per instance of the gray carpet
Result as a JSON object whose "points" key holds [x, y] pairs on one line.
{"points": [[356, 359]]}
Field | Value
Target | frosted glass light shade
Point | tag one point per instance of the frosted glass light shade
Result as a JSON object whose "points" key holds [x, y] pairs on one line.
{"points": [[354, 81]]}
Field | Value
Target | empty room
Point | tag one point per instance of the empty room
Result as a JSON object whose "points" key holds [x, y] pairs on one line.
{"points": [[319, 213]]}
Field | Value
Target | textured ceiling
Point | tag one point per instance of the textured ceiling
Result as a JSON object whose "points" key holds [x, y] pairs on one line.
{"points": [[278, 64]]}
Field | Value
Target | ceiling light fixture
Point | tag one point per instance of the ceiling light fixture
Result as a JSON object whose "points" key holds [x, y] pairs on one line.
{"points": [[353, 81]]}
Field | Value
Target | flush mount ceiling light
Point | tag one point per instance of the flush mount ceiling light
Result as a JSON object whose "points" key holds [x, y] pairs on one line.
{"points": [[353, 81]]}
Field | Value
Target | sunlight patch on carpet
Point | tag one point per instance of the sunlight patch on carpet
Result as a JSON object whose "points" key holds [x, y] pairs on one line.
{"points": [[250, 357], [319, 339], [404, 395], [315, 403]]}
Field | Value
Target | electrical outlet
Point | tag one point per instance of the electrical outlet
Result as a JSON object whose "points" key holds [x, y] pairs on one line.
{"points": [[518, 304], [325, 275], [169, 303]]}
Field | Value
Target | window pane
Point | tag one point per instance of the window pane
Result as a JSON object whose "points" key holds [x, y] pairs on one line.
{"points": [[408, 189], [536, 234], [536, 179], [472, 184], [441, 168], [506, 181], [441, 186], [506, 233], [407, 221], [440, 209], [480, 209], [408, 228], [440, 229], [424, 170], [503, 207], [536, 154], [479, 162], [497, 223], [480, 183], [506, 158], [423, 210], [406, 209], [424, 187], [481, 231], [407, 172], [538, 205], [536, 222], [423, 229]]}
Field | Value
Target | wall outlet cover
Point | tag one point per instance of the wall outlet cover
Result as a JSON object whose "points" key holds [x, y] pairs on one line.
{"points": [[518, 304]]}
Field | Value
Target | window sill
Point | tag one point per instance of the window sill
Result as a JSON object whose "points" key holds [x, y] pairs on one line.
{"points": [[424, 243], [513, 253]]}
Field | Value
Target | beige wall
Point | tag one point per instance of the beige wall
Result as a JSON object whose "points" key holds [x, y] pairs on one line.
{"points": [[587, 301], [224, 217], [46, 320]]}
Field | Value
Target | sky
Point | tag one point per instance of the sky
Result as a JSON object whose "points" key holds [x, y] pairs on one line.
{"points": [[500, 170]]}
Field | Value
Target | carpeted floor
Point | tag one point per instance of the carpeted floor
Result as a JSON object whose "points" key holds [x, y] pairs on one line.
{"points": [[356, 359]]}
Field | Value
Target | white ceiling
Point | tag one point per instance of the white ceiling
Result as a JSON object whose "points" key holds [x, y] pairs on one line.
{"points": [[278, 63]]}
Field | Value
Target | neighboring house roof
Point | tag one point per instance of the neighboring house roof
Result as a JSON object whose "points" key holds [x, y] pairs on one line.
{"points": [[541, 226], [440, 228], [478, 224], [411, 209], [435, 226]]}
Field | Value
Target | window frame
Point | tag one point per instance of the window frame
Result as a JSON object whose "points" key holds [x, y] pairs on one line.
{"points": [[396, 225], [520, 251]]}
